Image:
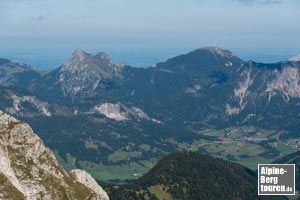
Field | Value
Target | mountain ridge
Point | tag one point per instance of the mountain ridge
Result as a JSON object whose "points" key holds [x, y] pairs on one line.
{"points": [[167, 107], [31, 169], [16, 73]]}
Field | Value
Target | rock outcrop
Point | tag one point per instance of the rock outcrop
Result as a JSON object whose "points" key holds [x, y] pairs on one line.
{"points": [[29, 170], [86, 179]]}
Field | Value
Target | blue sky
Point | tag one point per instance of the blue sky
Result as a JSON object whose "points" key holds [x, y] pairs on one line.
{"points": [[169, 24]]}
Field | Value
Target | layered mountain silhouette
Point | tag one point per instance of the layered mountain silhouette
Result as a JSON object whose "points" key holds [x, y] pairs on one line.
{"points": [[209, 87], [90, 108]]}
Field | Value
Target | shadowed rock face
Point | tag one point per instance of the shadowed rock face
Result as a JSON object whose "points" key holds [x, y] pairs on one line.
{"points": [[29, 170]]}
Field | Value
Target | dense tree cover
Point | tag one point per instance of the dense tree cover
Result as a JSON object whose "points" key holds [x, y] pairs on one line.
{"points": [[69, 134], [193, 176]]}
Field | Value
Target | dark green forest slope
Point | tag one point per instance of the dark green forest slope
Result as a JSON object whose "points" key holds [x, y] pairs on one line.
{"points": [[192, 176]]}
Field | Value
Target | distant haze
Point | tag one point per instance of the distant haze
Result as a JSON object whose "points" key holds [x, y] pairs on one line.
{"points": [[49, 30], [50, 59]]}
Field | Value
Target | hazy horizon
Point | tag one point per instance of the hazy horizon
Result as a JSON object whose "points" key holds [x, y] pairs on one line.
{"points": [[141, 33], [48, 59]]}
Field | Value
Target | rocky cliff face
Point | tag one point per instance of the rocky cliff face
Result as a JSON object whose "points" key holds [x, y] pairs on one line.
{"points": [[29, 170]]}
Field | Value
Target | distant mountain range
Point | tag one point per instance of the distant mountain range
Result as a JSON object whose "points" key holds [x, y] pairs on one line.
{"points": [[92, 110], [209, 87]]}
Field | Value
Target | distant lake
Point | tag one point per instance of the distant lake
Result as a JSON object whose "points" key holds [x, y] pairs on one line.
{"points": [[51, 59]]}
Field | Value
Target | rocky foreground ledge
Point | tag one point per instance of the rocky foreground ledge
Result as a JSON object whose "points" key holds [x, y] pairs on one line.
{"points": [[29, 170]]}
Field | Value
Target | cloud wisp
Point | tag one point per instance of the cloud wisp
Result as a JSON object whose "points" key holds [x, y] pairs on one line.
{"points": [[38, 18], [260, 2]]}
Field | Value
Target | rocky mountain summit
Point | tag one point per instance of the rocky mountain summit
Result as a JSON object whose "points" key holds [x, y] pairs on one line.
{"points": [[29, 170], [295, 58], [81, 75]]}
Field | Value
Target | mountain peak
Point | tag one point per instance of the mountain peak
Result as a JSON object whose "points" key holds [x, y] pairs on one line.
{"points": [[295, 58], [78, 51], [77, 58], [79, 55], [219, 51], [87, 70], [103, 57], [202, 59]]}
